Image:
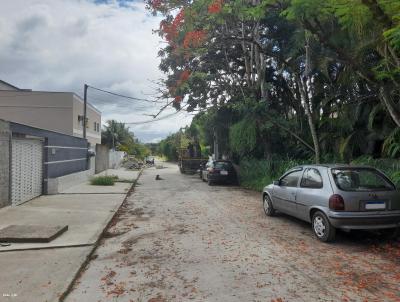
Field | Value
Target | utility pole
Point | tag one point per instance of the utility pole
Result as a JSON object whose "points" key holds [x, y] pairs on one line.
{"points": [[216, 147], [85, 88]]}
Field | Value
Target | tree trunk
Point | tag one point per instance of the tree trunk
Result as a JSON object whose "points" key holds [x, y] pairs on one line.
{"points": [[307, 108], [294, 135], [246, 59]]}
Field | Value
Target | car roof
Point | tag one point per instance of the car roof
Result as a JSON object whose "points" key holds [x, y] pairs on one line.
{"points": [[333, 166]]}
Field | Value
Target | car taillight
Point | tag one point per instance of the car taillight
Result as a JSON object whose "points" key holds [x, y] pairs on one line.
{"points": [[336, 202]]}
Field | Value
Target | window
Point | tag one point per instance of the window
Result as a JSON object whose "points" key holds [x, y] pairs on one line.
{"points": [[80, 120], [361, 179], [311, 179], [291, 179], [95, 126], [222, 165]]}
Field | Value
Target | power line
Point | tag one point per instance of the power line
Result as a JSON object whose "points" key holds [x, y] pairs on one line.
{"points": [[154, 120], [101, 103], [121, 95]]}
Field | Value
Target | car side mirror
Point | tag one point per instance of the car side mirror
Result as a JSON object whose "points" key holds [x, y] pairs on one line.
{"points": [[277, 183]]}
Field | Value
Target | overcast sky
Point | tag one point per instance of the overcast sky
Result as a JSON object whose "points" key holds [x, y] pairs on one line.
{"points": [[58, 45]]}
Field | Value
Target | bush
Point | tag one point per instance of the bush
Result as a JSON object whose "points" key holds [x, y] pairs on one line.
{"points": [[391, 167], [108, 180], [256, 174]]}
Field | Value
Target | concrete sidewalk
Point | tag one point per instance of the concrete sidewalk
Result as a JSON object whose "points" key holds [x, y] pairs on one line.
{"points": [[43, 271]]}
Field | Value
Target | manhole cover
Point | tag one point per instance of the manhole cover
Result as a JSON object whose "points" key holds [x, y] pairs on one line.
{"points": [[31, 233]]}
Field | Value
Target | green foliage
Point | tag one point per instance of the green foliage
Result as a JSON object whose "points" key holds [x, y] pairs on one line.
{"points": [[391, 145], [353, 52], [256, 174], [115, 133], [117, 136], [107, 180], [393, 36], [135, 148], [243, 136], [390, 167]]}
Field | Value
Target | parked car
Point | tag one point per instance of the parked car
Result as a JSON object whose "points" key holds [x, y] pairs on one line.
{"points": [[218, 171], [335, 196]]}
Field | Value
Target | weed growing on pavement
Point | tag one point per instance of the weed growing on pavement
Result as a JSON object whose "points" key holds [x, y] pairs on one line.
{"points": [[104, 180]]}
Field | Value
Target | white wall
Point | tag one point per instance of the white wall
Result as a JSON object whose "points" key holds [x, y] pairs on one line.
{"points": [[115, 159], [93, 115]]}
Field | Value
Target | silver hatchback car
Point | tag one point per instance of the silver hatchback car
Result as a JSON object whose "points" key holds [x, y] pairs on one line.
{"points": [[335, 196]]}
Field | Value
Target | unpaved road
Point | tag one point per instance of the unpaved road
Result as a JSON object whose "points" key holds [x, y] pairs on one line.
{"points": [[179, 239]]}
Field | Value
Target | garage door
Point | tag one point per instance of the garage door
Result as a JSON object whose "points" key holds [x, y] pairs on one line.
{"points": [[26, 170]]}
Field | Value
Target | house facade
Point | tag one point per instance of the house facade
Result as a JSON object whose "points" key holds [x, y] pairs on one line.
{"points": [[61, 112]]}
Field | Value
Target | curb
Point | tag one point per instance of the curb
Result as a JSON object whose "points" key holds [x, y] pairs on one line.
{"points": [[63, 295]]}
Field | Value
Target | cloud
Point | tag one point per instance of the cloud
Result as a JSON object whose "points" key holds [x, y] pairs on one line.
{"points": [[59, 45]]}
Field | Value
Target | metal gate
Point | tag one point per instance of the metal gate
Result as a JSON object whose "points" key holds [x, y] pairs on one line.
{"points": [[26, 170]]}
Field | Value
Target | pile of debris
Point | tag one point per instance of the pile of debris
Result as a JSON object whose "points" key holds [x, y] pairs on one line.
{"points": [[132, 163]]}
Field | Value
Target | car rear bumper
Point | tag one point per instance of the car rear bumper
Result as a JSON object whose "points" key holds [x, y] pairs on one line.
{"points": [[365, 220], [220, 178]]}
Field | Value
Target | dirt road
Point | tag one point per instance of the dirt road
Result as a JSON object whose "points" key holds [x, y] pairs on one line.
{"points": [[178, 239]]}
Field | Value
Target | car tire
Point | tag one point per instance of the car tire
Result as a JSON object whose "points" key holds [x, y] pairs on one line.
{"points": [[322, 228], [390, 234], [210, 183], [267, 205]]}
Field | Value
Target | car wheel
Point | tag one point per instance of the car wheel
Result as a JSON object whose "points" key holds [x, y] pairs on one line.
{"points": [[267, 205], [210, 183], [390, 233], [322, 228]]}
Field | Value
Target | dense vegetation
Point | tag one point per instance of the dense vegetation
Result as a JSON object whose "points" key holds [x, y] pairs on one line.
{"points": [[117, 136], [284, 81]]}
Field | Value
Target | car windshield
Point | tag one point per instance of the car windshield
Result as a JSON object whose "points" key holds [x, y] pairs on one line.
{"points": [[361, 179], [222, 165]]}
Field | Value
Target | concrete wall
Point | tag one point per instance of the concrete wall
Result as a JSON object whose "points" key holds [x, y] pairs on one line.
{"points": [[102, 158], [115, 159], [45, 110], [53, 111], [63, 154], [4, 164], [93, 134]]}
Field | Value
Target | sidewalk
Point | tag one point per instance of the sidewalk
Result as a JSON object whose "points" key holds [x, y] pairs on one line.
{"points": [[43, 271]]}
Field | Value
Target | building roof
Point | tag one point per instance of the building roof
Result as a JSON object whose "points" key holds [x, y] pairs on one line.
{"points": [[41, 91], [8, 84]]}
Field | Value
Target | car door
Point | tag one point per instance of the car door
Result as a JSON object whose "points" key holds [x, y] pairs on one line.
{"points": [[309, 192], [285, 193]]}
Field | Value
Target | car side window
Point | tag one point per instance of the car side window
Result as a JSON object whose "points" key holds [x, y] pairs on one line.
{"points": [[291, 179], [311, 179]]}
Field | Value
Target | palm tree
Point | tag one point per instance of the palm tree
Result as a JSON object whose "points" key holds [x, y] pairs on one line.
{"points": [[114, 134]]}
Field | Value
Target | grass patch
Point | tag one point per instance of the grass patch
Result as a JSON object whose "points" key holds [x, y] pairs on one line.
{"points": [[107, 180]]}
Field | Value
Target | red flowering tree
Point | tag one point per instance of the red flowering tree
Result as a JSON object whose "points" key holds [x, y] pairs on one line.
{"points": [[215, 7], [185, 28]]}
